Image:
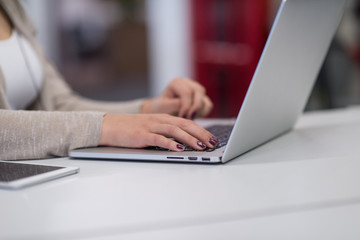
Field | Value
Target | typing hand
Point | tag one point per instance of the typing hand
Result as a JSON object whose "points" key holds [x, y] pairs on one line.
{"points": [[143, 130], [182, 97]]}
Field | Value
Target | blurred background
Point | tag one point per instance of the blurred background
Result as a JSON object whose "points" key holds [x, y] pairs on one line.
{"points": [[126, 49]]}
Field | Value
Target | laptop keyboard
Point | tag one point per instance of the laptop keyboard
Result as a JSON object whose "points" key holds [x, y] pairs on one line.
{"points": [[221, 132]]}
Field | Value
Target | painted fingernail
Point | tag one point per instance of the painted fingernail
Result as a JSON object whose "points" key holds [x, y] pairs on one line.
{"points": [[180, 147], [213, 141], [193, 115], [200, 144]]}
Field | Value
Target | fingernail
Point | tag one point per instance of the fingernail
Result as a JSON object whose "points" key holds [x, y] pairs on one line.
{"points": [[213, 141], [200, 144], [193, 115], [180, 147]]}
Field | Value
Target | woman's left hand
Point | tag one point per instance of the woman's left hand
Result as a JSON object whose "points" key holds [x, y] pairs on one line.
{"points": [[182, 97]]}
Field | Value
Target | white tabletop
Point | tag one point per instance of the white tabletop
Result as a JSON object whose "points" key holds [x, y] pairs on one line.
{"points": [[331, 223], [305, 183]]}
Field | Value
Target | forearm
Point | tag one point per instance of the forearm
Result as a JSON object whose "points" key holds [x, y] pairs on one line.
{"points": [[77, 103], [38, 134]]}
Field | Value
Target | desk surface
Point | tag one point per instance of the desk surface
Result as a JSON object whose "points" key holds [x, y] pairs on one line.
{"points": [[303, 184]]}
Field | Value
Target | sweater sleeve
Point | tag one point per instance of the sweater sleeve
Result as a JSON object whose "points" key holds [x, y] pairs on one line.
{"points": [[57, 95], [40, 134]]}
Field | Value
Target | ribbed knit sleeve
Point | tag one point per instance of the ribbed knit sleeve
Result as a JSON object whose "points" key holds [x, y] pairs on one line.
{"points": [[56, 95], [41, 134]]}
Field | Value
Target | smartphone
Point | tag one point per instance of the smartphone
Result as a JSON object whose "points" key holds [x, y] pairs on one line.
{"points": [[15, 175]]}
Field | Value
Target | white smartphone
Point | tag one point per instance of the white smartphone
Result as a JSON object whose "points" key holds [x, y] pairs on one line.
{"points": [[15, 175]]}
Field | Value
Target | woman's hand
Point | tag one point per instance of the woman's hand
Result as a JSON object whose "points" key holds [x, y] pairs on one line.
{"points": [[182, 97], [142, 130]]}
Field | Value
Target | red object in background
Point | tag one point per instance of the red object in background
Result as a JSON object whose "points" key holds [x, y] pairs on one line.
{"points": [[228, 38]]}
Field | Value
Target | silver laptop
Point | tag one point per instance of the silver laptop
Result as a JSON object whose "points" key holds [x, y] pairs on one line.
{"points": [[296, 47]]}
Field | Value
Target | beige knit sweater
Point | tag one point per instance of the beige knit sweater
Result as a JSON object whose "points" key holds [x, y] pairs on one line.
{"points": [[58, 120]]}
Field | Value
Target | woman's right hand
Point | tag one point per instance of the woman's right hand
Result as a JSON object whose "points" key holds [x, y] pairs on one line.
{"points": [[143, 130]]}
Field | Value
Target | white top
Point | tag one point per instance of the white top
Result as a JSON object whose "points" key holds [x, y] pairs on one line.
{"points": [[22, 71]]}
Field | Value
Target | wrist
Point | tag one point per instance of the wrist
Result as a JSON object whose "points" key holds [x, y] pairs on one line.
{"points": [[104, 131], [146, 106]]}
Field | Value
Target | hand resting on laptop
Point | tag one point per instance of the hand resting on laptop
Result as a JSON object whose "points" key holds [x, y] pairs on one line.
{"points": [[182, 97], [143, 130]]}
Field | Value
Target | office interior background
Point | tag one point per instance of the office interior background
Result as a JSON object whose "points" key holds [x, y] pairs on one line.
{"points": [[126, 49]]}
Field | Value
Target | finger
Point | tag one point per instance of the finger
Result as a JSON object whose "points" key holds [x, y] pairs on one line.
{"points": [[206, 107], [197, 105], [190, 94], [180, 135], [190, 127], [164, 142], [168, 105], [186, 97], [196, 86], [180, 88], [198, 102], [197, 132], [173, 87]]}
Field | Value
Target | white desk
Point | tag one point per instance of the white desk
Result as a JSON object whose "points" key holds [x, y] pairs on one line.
{"points": [[303, 185]]}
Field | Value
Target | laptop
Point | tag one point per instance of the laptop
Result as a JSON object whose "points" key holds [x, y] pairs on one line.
{"points": [[292, 57]]}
